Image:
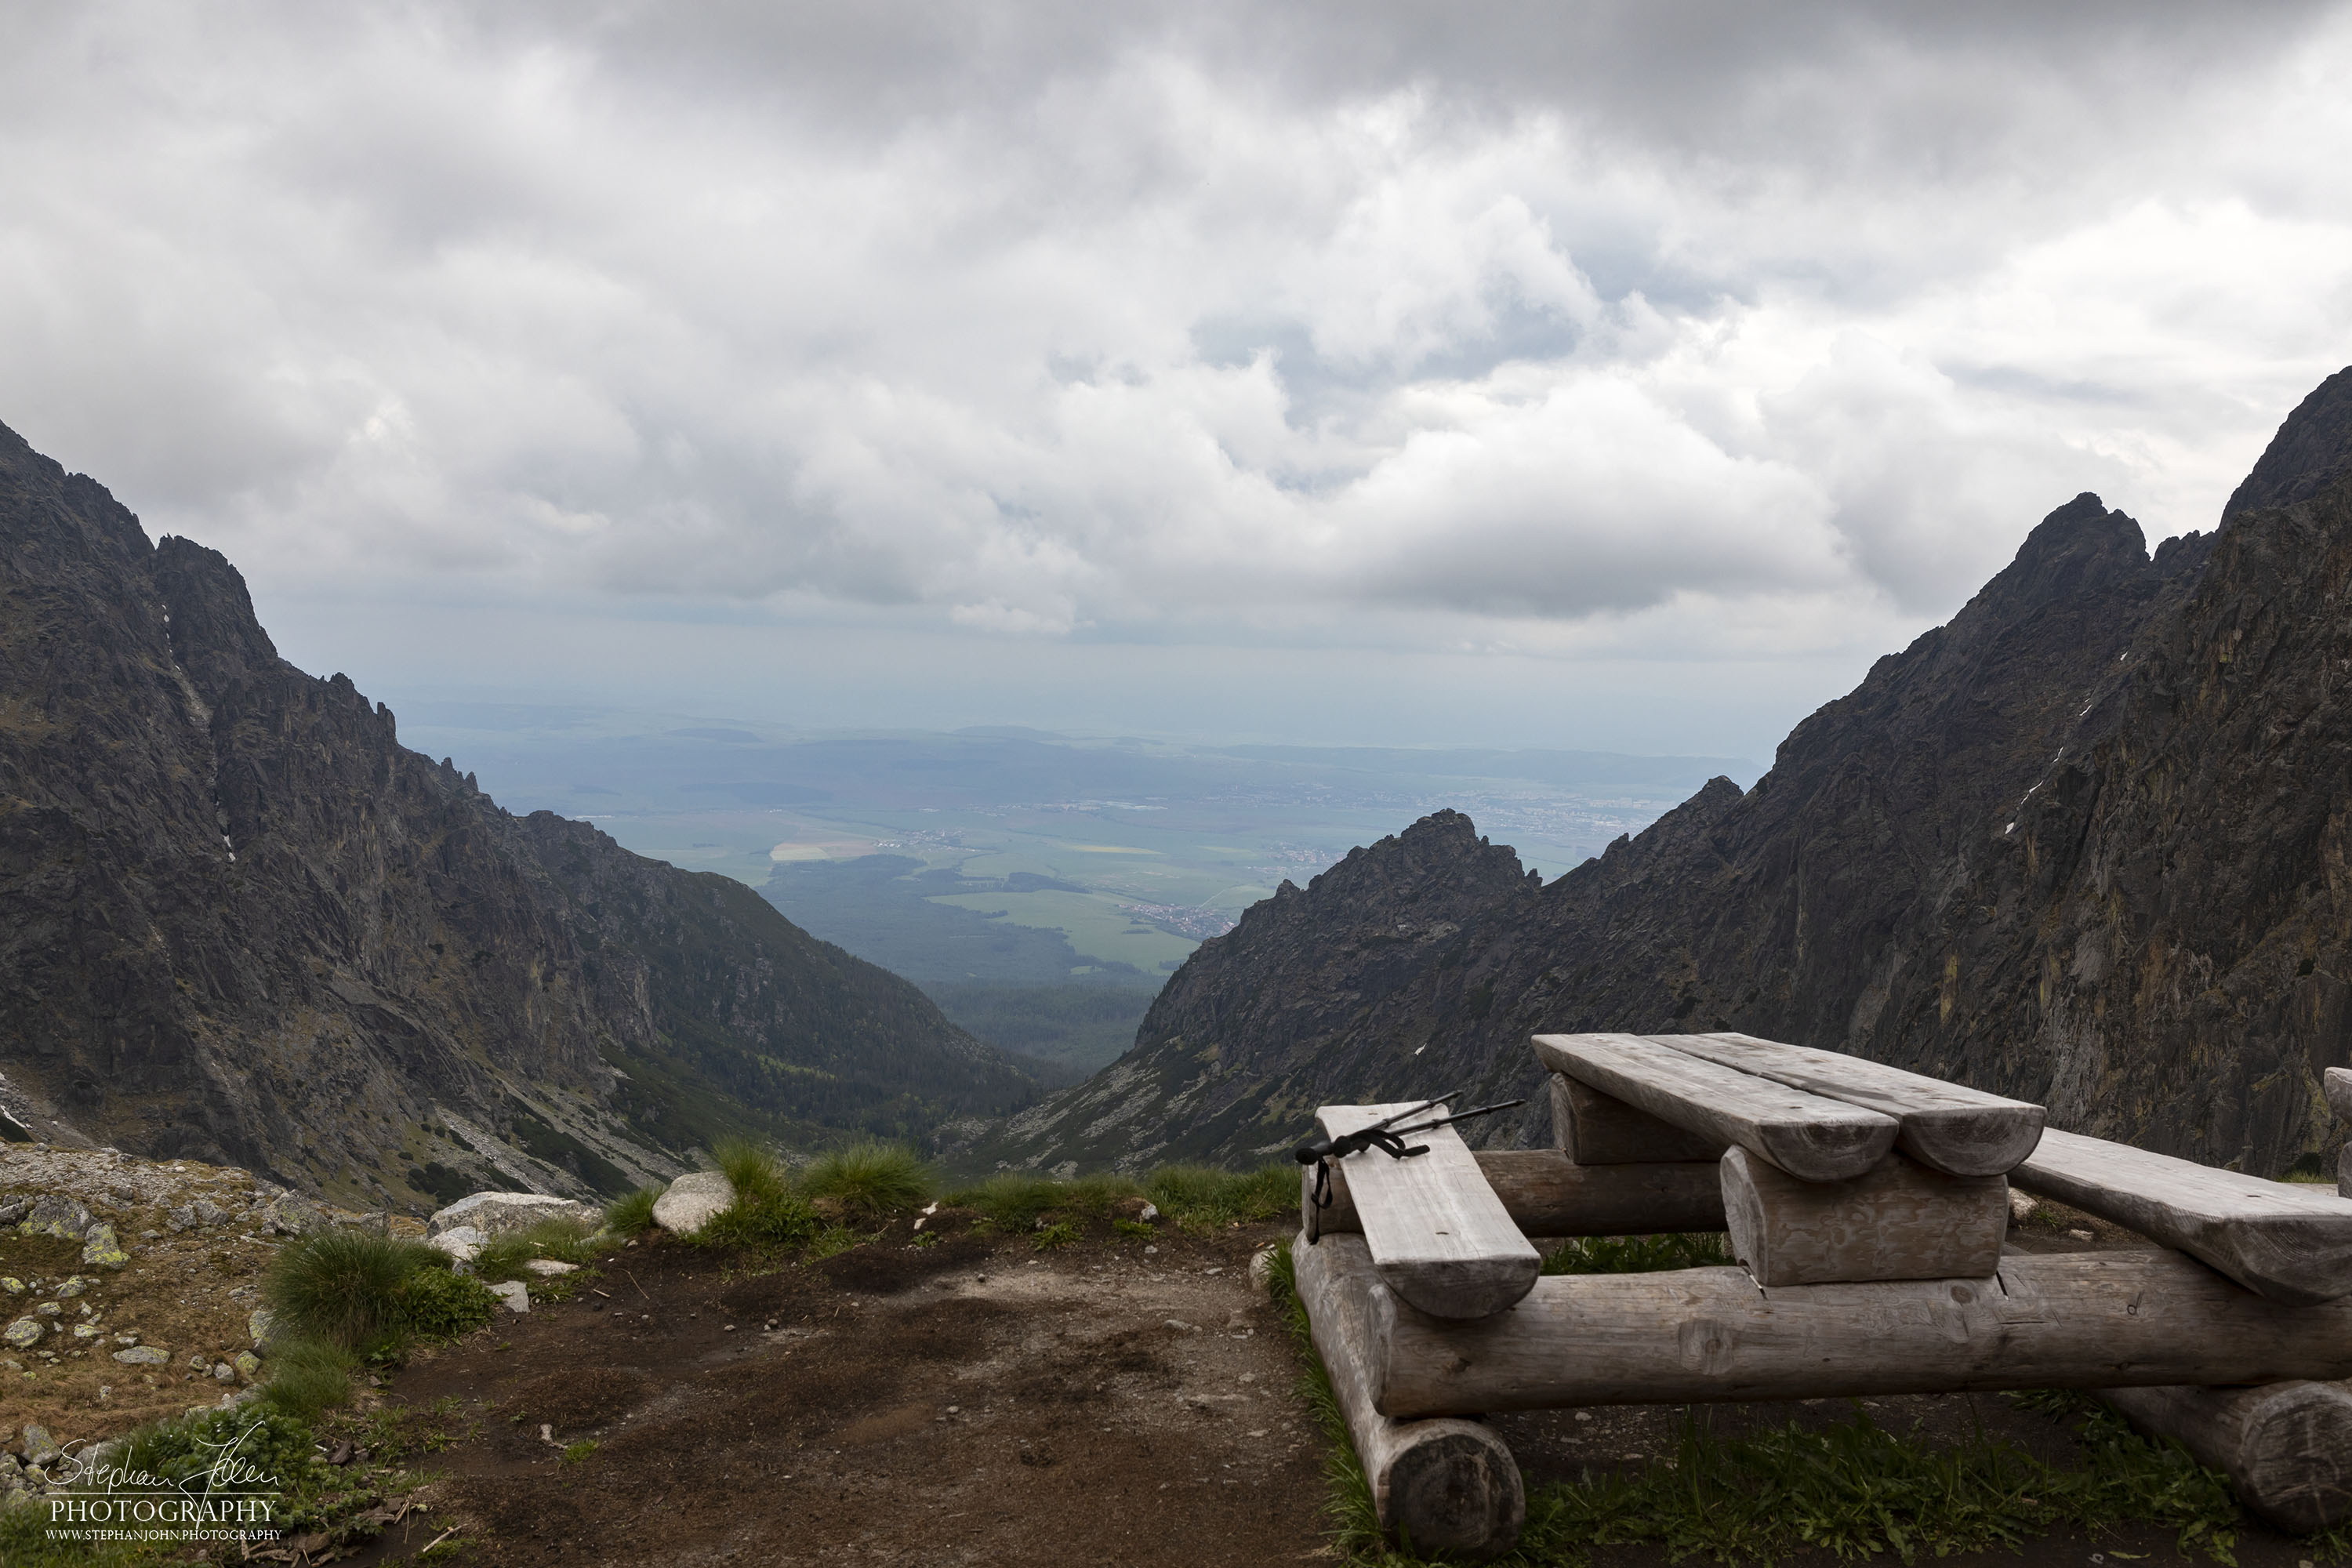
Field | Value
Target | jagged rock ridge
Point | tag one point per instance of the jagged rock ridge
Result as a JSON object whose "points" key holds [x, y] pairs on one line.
{"points": [[245, 925], [2085, 844]]}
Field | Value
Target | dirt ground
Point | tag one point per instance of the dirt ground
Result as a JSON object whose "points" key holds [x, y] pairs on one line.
{"points": [[969, 1402]]}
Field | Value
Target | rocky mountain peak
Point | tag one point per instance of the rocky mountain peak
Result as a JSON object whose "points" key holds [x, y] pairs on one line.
{"points": [[215, 635], [2312, 451], [2074, 845]]}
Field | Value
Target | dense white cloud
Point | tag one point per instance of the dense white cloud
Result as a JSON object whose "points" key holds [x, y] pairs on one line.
{"points": [[1654, 330]]}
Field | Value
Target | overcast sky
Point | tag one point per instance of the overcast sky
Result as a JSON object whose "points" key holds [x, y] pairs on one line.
{"points": [[1616, 375]]}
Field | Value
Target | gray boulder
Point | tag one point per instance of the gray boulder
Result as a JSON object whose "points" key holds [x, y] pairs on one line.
{"points": [[693, 1201], [460, 1242], [54, 1214], [498, 1214]]}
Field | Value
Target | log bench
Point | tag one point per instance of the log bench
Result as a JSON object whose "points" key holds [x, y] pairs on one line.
{"points": [[1867, 1208]]}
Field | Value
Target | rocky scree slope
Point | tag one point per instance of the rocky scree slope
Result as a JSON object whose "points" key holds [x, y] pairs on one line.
{"points": [[2085, 844], [245, 925]]}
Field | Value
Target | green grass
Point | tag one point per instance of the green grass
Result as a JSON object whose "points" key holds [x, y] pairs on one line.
{"points": [[1202, 1198], [750, 1170], [307, 1377], [504, 1258], [631, 1214], [1856, 1490], [1010, 1200], [1055, 1237], [1639, 1254], [871, 1179], [349, 1288]]}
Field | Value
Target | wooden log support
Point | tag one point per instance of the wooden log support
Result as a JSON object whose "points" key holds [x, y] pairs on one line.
{"points": [[1898, 1220], [1437, 1232], [1448, 1484], [1595, 1129], [2102, 1319], [2288, 1242], [2285, 1446], [1812, 1137], [1548, 1195], [1959, 1131]]}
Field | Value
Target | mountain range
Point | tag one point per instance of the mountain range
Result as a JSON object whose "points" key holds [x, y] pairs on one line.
{"points": [[244, 924], [2087, 844]]}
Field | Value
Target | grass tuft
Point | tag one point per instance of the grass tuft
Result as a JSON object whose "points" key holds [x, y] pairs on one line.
{"points": [[1010, 1200], [631, 1214], [307, 1377], [750, 1170], [871, 1179], [348, 1288], [1061, 1234], [1202, 1198]]}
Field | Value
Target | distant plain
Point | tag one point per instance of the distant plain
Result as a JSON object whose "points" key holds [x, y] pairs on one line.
{"points": [[1005, 869]]}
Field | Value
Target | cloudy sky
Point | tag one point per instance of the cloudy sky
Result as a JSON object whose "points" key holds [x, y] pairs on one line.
{"points": [[1616, 375]]}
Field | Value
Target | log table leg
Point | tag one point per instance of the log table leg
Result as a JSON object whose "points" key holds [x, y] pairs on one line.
{"points": [[1446, 1484], [2286, 1447]]}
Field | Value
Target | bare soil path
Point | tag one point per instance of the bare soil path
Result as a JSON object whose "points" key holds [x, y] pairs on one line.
{"points": [[967, 1402]]}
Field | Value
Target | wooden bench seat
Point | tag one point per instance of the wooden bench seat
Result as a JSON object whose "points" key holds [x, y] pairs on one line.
{"points": [[1440, 1238]]}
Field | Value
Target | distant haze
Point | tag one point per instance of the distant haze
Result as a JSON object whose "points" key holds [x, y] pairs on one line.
{"points": [[1614, 377]]}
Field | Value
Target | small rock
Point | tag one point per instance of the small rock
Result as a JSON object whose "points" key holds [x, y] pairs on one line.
{"points": [[72, 1288], [224, 1372], [247, 1365], [100, 1248], [549, 1267], [13, 1210], [259, 1326], [24, 1334], [1261, 1267], [1149, 1214], [2021, 1206], [496, 1213], [86, 1331], [10, 1283], [143, 1356], [49, 1309], [2081, 1236], [40, 1448], [515, 1294], [692, 1200], [1180, 1325], [1151, 1249]]}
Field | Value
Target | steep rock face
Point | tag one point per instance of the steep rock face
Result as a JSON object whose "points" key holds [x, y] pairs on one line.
{"points": [[1269, 1020], [245, 925], [2083, 843]]}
